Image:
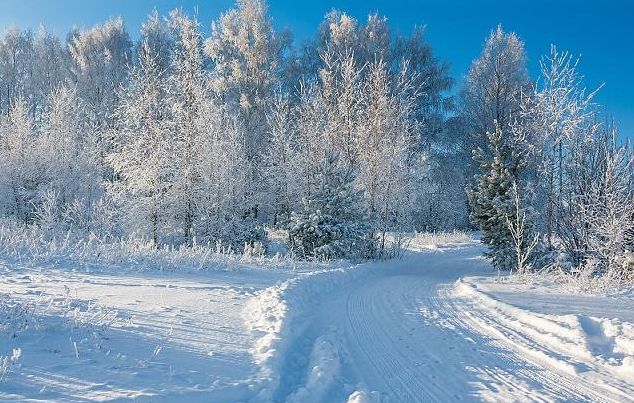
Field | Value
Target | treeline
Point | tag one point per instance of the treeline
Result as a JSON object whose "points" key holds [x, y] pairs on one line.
{"points": [[179, 139]]}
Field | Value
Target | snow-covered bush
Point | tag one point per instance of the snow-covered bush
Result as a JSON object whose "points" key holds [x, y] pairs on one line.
{"points": [[15, 317], [9, 362], [332, 221], [253, 250]]}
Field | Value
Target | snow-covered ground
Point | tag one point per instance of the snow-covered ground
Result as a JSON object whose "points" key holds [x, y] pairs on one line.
{"points": [[166, 335], [435, 325]]}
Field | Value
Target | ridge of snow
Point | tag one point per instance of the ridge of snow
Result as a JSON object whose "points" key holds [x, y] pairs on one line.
{"points": [[274, 313], [597, 349]]}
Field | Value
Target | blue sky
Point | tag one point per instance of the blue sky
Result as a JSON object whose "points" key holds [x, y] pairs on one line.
{"points": [[601, 32]]}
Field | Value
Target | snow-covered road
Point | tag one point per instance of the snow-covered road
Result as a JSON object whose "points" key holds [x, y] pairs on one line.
{"points": [[402, 336]]}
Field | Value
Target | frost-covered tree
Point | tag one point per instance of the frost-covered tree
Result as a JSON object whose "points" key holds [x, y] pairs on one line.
{"points": [[280, 158], [337, 34], [341, 59], [143, 153], [593, 229], [372, 115], [492, 198], [523, 237], [16, 69], [188, 95], [100, 57], [246, 53], [68, 149], [568, 166], [339, 31], [369, 121], [21, 172], [385, 148], [493, 86], [559, 115], [490, 98], [331, 223], [155, 35], [225, 207], [629, 232], [312, 140], [51, 67], [341, 89], [375, 39]]}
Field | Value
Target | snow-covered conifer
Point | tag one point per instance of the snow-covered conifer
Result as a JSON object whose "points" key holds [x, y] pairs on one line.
{"points": [[492, 198], [332, 222]]}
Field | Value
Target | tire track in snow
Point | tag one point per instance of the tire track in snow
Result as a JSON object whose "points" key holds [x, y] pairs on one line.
{"points": [[513, 334], [405, 338], [555, 385]]}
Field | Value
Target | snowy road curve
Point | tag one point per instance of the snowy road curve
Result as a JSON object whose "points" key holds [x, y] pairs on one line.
{"points": [[400, 337]]}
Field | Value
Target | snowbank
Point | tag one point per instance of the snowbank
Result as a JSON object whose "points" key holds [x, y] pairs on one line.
{"points": [[324, 368], [597, 349], [276, 314]]}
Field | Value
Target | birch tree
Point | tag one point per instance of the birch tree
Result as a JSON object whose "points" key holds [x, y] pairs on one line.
{"points": [[144, 151], [188, 95], [100, 56], [246, 53], [494, 83], [21, 173]]}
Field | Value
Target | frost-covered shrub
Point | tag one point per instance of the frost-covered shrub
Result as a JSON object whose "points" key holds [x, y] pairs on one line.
{"points": [[332, 222], [425, 239], [29, 244], [253, 250], [15, 316], [6, 363]]}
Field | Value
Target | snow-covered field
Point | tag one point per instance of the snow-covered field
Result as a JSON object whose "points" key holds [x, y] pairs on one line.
{"points": [[435, 325]]}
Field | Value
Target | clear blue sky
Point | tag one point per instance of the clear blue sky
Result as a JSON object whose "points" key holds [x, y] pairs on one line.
{"points": [[602, 32]]}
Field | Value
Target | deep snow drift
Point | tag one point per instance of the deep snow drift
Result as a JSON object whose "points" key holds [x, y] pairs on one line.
{"points": [[435, 325]]}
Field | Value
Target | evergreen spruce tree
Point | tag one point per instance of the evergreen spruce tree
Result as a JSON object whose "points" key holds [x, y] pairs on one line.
{"points": [[332, 223], [492, 198]]}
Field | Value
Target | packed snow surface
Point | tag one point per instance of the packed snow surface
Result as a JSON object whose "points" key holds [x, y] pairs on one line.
{"points": [[436, 325]]}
